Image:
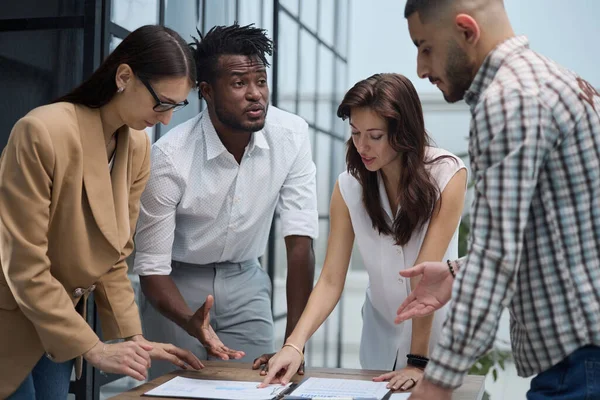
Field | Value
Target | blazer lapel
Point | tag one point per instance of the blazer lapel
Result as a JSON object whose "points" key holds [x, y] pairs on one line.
{"points": [[96, 175], [120, 185]]}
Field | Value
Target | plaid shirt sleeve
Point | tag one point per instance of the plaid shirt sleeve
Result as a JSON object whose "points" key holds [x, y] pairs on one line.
{"points": [[508, 148]]}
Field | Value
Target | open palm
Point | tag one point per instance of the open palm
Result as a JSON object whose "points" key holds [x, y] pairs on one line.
{"points": [[199, 327], [432, 292]]}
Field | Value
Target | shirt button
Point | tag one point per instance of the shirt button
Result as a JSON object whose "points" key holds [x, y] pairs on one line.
{"points": [[400, 280]]}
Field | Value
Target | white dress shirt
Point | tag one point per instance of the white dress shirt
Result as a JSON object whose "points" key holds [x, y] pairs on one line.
{"points": [[382, 341], [201, 207]]}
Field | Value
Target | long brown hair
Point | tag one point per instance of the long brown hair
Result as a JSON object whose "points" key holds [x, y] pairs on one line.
{"points": [[393, 97]]}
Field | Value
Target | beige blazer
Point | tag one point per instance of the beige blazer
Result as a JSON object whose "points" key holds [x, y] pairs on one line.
{"points": [[66, 227]]}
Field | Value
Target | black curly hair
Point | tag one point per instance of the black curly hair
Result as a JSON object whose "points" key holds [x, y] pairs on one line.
{"points": [[228, 40]]}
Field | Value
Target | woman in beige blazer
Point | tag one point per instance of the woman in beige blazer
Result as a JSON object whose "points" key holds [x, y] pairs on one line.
{"points": [[71, 177]]}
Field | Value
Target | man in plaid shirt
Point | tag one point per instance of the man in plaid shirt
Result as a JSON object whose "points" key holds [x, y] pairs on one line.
{"points": [[535, 236]]}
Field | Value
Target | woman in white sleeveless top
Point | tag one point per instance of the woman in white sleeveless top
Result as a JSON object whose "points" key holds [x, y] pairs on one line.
{"points": [[401, 200]]}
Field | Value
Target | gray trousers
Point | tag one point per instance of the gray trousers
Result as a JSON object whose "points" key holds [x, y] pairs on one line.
{"points": [[241, 315]]}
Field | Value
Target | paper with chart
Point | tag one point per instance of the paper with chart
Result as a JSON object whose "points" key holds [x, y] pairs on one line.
{"points": [[400, 396], [218, 390], [340, 388]]}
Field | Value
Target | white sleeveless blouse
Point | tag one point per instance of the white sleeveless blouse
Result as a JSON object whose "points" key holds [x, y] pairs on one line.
{"points": [[383, 343]]}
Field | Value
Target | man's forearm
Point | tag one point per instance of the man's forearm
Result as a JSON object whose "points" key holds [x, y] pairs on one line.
{"points": [[301, 274], [163, 294]]}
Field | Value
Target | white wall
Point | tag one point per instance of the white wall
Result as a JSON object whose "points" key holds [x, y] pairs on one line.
{"points": [[565, 31]]}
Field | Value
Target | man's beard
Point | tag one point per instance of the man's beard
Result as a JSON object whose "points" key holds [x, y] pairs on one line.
{"points": [[229, 119], [459, 70]]}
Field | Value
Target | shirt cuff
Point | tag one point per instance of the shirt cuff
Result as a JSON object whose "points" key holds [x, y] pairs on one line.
{"points": [[145, 264], [300, 223], [446, 368], [67, 349], [460, 262]]}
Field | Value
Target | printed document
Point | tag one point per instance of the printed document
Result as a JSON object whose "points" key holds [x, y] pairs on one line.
{"points": [[218, 390], [400, 396], [340, 388]]}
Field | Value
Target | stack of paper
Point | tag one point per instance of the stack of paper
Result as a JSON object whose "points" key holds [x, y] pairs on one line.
{"points": [[340, 388], [218, 390], [400, 396]]}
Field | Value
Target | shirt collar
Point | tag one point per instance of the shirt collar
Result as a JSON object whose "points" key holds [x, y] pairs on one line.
{"points": [[492, 63], [214, 146], [259, 140]]}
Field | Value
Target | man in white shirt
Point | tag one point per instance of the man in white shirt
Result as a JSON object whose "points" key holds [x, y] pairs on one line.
{"points": [[215, 184]]}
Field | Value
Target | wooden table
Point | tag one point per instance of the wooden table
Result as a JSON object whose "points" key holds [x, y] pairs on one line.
{"points": [[472, 389]]}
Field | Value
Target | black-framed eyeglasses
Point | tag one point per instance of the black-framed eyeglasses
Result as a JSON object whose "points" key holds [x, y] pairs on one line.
{"points": [[162, 106]]}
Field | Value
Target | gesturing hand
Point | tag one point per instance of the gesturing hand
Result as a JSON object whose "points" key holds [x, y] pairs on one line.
{"points": [[432, 292], [282, 367], [404, 379], [128, 358], [181, 358], [199, 327], [264, 361]]}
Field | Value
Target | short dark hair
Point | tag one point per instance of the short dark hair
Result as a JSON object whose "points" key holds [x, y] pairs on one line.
{"points": [[425, 8], [152, 51], [229, 40]]}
